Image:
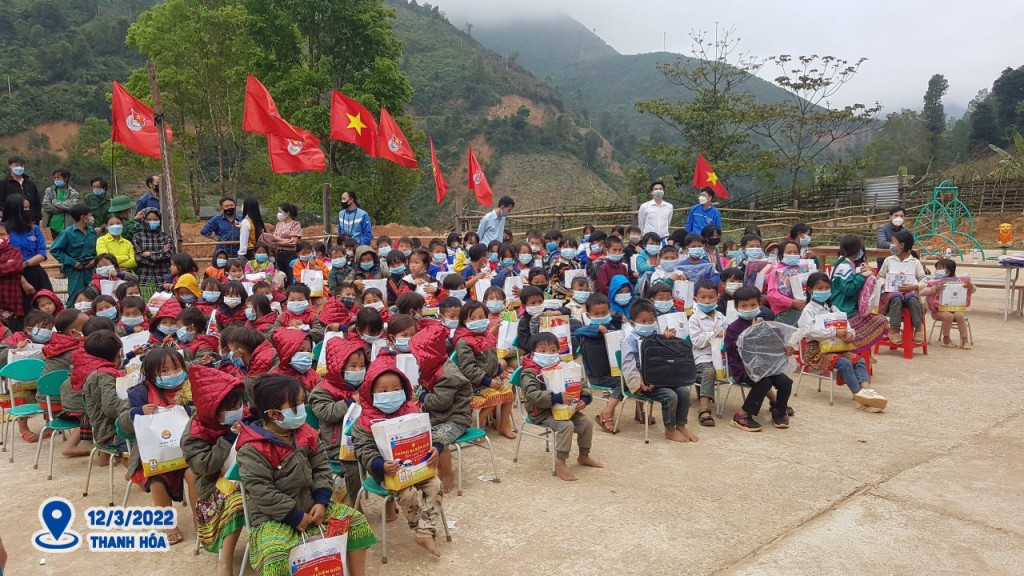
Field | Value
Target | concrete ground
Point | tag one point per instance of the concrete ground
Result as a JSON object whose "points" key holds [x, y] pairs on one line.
{"points": [[934, 484]]}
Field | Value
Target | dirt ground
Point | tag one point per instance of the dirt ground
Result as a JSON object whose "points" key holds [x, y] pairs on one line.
{"points": [[936, 481]]}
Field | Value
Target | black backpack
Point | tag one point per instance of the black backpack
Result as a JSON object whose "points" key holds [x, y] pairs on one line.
{"points": [[666, 362], [595, 357]]}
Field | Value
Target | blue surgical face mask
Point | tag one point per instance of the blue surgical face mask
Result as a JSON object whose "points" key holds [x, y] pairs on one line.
{"points": [[235, 359], [384, 251], [170, 382], [805, 241], [115, 229], [652, 249], [366, 266], [40, 335], [458, 294], [602, 321], [99, 192], [338, 262], [748, 314], [551, 246], [668, 265], [736, 255], [707, 308], [407, 253], [369, 339], [302, 361], [645, 330], [400, 269], [696, 253], [596, 249], [791, 259], [402, 344], [231, 416], [664, 306], [261, 258], [153, 225], [298, 307], [939, 274], [389, 402], [755, 253], [294, 418], [586, 237], [439, 257], [569, 253], [821, 296], [250, 314], [167, 330], [221, 262], [450, 323], [580, 296], [525, 259], [546, 360], [105, 270], [18, 170], [507, 262], [860, 256], [623, 299], [184, 336], [58, 183], [478, 326], [211, 296], [495, 306], [132, 321], [493, 257], [110, 313], [615, 257], [187, 298], [354, 378]]}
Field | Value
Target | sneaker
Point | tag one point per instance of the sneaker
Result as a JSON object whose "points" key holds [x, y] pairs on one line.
{"points": [[745, 423], [868, 398], [780, 420]]}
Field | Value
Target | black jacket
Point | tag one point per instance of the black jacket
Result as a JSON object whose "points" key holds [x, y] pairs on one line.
{"points": [[26, 188]]}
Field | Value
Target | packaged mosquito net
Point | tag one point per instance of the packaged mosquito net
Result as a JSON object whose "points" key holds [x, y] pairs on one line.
{"points": [[762, 348]]}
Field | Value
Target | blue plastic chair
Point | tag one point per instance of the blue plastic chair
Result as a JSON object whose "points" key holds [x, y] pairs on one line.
{"points": [[49, 386], [371, 486], [548, 435], [25, 370]]}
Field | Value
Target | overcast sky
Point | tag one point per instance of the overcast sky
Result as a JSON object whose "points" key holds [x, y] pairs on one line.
{"points": [[905, 41]]}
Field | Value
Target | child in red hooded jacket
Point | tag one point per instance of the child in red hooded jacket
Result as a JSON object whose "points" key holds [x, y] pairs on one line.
{"points": [[197, 346], [331, 399], [37, 330], [340, 311], [295, 350], [57, 356], [288, 482], [298, 313], [206, 444]]}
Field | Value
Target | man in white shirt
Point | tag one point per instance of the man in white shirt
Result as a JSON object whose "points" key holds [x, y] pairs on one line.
{"points": [[492, 225], [656, 214]]}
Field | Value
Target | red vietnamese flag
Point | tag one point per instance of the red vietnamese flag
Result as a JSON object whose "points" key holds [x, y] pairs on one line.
{"points": [[391, 143], [133, 124], [351, 122], [478, 182], [302, 154], [704, 177], [260, 114], [439, 183]]}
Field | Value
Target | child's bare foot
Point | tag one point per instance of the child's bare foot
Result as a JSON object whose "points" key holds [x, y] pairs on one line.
{"points": [[76, 451], [102, 459], [690, 436], [428, 544], [448, 480], [588, 461], [508, 433], [392, 511], [562, 471], [675, 435]]}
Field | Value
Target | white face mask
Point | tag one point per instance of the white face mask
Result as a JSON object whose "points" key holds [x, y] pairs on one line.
{"points": [[897, 221], [704, 200], [658, 194]]}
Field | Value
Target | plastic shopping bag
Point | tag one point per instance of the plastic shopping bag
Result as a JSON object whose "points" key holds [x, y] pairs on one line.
{"points": [[159, 439]]}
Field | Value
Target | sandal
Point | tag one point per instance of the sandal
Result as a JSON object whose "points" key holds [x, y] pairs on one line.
{"points": [[919, 336], [789, 409], [606, 424], [705, 417], [30, 437], [896, 338], [949, 344], [174, 536], [966, 346]]}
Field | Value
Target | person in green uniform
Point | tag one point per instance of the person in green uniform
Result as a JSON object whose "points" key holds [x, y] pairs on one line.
{"points": [[98, 200], [123, 206], [57, 200], [75, 249]]}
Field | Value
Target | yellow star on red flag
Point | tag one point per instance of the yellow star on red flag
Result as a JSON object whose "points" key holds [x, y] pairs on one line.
{"points": [[712, 179], [356, 123]]}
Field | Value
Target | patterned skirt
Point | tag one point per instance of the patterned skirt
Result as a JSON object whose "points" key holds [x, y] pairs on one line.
{"points": [[270, 542], [870, 329], [489, 397], [219, 516]]}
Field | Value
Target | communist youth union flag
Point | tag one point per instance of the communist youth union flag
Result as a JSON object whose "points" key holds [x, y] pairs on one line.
{"points": [[704, 177], [302, 154], [351, 122], [478, 182], [133, 124], [439, 183], [391, 143]]}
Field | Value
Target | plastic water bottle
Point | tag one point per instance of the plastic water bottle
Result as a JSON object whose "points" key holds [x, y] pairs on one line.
{"points": [[949, 252]]}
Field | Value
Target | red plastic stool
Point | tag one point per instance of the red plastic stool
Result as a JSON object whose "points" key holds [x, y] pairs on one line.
{"points": [[908, 344]]}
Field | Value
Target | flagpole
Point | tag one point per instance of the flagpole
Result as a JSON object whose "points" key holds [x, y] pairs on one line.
{"points": [[113, 174], [168, 198]]}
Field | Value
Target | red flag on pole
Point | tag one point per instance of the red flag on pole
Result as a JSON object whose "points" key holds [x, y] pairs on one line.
{"points": [[391, 143], [302, 154], [260, 114], [478, 182], [351, 122], [704, 177], [439, 183], [133, 124]]}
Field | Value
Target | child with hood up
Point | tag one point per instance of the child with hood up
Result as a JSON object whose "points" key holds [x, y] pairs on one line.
{"points": [[295, 349]]}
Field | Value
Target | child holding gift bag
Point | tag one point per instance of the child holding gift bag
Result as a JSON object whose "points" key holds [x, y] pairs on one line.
{"points": [[386, 393], [288, 482], [477, 354], [945, 273], [207, 444]]}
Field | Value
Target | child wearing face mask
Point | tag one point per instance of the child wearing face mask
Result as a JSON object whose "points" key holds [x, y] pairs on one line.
{"points": [[186, 290], [613, 265], [477, 359], [260, 316], [165, 384], [580, 293], [892, 303], [246, 354], [675, 401], [786, 305], [397, 264], [307, 260], [712, 235], [508, 263], [231, 311], [83, 301], [218, 264], [299, 314], [107, 268], [197, 346], [852, 276], [419, 280], [373, 299], [706, 324], [342, 271], [340, 310], [749, 250], [100, 390], [801, 234], [163, 327], [262, 265], [295, 351], [365, 265], [106, 307], [386, 393], [134, 318], [330, 400], [289, 482], [533, 308], [438, 257], [849, 364], [539, 402], [945, 272], [206, 446], [695, 265], [209, 298], [620, 294], [598, 321]]}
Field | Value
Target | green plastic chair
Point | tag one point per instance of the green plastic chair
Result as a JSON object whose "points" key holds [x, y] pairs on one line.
{"points": [[25, 370], [606, 389], [235, 476], [311, 420], [111, 452], [472, 437], [49, 386], [548, 436], [371, 486], [128, 438], [317, 349], [454, 357], [646, 404]]}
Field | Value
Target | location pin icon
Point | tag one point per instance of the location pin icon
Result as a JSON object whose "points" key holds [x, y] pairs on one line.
{"points": [[56, 517]]}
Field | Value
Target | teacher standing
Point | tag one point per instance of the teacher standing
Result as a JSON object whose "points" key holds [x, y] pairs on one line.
{"points": [[353, 220], [28, 239], [492, 225]]}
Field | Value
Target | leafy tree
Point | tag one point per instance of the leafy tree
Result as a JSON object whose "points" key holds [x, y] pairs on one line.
{"points": [[902, 141], [1011, 164], [934, 114], [806, 125], [984, 127]]}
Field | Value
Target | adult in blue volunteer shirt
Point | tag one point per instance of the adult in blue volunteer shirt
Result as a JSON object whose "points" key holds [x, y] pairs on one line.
{"points": [[353, 220], [224, 226], [492, 225], [150, 199], [703, 213], [28, 238]]}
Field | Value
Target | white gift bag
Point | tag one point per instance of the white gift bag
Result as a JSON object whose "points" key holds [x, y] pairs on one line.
{"points": [[612, 344], [837, 320], [131, 341], [348, 448], [798, 284], [718, 358], [159, 440], [676, 320], [31, 350], [953, 297], [508, 330], [157, 300], [408, 365], [565, 379], [570, 275], [730, 312], [319, 556], [321, 363], [108, 287], [405, 439], [682, 293], [315, 280]]}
